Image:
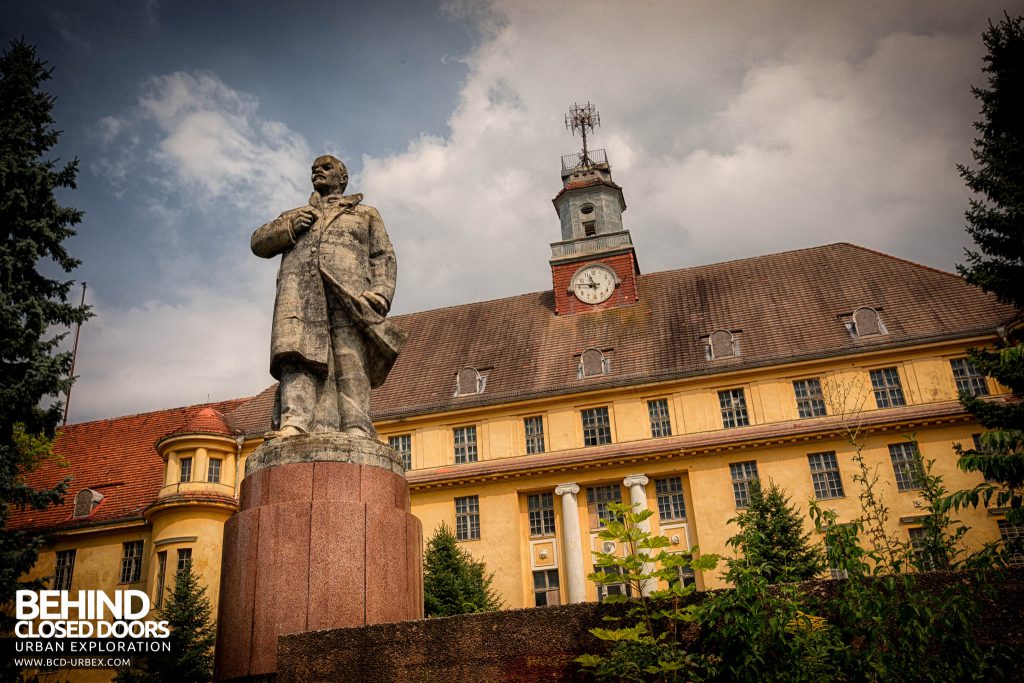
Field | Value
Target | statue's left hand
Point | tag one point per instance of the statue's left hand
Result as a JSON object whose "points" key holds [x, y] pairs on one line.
{"points": [[378, 303]]}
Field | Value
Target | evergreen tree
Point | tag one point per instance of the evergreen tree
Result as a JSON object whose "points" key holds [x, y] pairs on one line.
{"points": [[771, 540], [190, 659], [453, 582], [33, 228], [995, 220]]}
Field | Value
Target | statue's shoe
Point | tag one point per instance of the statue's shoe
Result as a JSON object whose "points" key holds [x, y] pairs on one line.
{"points": [[287, 430]]}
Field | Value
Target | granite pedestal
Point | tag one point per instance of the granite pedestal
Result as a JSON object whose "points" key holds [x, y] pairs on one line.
{"points": [[324, 539]]}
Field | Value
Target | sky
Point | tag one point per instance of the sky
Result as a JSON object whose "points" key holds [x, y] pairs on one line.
{"points": [[735, 129]]}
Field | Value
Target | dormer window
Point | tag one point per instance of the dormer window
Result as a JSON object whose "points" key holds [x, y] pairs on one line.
{"points": [[865, 322], [86, 501], [721, 344], [592, 364], [470, 381]]}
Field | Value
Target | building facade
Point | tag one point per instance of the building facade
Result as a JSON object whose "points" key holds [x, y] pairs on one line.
{"points": [[521, 419]]}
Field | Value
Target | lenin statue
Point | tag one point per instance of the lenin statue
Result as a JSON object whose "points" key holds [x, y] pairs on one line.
{"points": [[331, 342]]}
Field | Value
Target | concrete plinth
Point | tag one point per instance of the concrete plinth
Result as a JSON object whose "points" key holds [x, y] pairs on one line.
{"points": [[323, 539]]}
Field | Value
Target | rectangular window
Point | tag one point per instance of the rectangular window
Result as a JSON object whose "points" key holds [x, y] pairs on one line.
{"points": [[131, 562], [606, 589], [671, 506], [465, 444], [545, 588], [534, 427], [597, 428], [661, 424], [184, 558], [684, 576], [905, 466], [809, 400], [1013, 536], [64, 570], [598, 498], [976, 438], [734, 408], [888, 390], [161, 576], [825, 475], [186, 469], [403, 445], [917, 546], [541, 510], [968, 379], [213, 471], [467, 518], [835, 569], [742, 474]]}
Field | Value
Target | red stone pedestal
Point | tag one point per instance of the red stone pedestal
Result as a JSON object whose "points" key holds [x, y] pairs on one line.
{"points": [[315, 545]]}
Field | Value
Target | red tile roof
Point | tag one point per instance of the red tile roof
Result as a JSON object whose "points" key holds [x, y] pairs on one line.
{"points": [[116, 457]]}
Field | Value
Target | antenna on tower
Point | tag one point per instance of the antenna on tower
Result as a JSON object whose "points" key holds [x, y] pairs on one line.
{"points": [[583, 119]]}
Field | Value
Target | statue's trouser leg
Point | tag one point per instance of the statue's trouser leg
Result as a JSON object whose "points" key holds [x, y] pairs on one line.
{"points": [[350, 375], [300, 391]]}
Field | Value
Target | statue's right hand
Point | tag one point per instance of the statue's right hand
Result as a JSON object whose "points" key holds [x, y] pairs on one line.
{"points": [[303, 221]]}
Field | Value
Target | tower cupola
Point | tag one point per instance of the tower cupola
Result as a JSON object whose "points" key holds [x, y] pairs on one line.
{"points": [[594, 265]]}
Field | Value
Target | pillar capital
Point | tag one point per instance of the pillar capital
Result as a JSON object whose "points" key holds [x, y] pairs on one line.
{"points": [[635, 480], [563, 489]]}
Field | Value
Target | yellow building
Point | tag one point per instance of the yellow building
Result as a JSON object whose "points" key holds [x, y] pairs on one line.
{"points": [[521, 418]]}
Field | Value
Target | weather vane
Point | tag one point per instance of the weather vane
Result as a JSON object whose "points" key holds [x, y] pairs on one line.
{"points": [[583, 119]]}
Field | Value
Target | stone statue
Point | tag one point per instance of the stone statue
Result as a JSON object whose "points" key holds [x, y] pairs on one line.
{"points": [[331, 342]]}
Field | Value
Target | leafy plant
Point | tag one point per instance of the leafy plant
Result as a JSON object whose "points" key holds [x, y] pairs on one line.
{"points": [[647, 646]]}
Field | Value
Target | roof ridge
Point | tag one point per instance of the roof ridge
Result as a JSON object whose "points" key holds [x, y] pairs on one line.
{"points": [[905, 260], [211, 404], [644, 275]]}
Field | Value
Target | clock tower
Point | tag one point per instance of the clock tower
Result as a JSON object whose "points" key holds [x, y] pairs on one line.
{"points": [[594, 266]]}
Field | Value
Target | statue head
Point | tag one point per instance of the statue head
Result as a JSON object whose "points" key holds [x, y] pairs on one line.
{"points": [[329, 175]]}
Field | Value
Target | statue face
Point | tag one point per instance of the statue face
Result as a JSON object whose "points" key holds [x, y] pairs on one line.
{"points": [[329, 175]]}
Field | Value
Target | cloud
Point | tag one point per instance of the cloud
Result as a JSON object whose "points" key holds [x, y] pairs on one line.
{"points": [[209, 143], [735, 130], [211, 346]]}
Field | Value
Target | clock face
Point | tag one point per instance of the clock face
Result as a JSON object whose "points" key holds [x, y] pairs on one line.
{"points": [[593, 284]]}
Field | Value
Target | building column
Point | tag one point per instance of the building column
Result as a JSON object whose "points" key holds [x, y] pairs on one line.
{"points": [[638, 499], [572, 549]]}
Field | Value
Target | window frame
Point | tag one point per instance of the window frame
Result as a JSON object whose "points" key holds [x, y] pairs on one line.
{"points": [[905, 466], [887, 394], [185, 470], [733, 405], [1008, 533], [64, 569], [184, 559], [667, 497], [161, 577], [131, 562], [742, 473], [547, 589], [402, 444], [540, 514], [808, 403], [967, 378], [467, 520], [597, 503], [826, 479], [210, 468], [600, 433], [606, 589], [661, 423], [468, 450], [534, 436]]}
